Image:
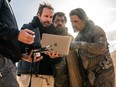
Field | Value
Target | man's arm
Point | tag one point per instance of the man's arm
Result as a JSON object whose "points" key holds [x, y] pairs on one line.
{"points": [[7, 32], [97, 47], [1, 3], [10, 33]]}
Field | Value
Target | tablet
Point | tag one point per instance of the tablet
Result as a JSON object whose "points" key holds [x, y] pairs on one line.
{"points": [[59, 43]]}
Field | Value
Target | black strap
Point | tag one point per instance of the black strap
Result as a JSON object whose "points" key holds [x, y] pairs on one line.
{"points": [[33, 65], [31, 71]]}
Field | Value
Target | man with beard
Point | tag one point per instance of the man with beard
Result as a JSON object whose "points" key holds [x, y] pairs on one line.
{"points": [[92, 49], [59, 21], [61, 77], [41, 73], [68, 68]]}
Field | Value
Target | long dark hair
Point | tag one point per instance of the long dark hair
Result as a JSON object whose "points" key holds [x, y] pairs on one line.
{"points": [[80, 13]]}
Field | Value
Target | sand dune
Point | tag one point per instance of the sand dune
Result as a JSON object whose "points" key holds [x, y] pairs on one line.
{"points": [[113, 56]]}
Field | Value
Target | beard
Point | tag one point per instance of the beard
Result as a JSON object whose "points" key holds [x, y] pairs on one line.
{"points": [[75, 29], [61, 30], [46, 24]]}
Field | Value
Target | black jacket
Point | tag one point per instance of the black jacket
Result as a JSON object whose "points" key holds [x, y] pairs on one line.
{"points": [[38, 67], [8, 32]]}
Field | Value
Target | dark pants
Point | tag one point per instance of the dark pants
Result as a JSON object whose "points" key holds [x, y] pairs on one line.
{"points": [[7, 73], [61, 76]]}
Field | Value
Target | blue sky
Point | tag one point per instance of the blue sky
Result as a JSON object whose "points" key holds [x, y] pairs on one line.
{"points": [[102, 12]]}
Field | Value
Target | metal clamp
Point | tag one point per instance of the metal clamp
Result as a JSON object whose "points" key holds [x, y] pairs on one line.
{"points": [[0, 74]]}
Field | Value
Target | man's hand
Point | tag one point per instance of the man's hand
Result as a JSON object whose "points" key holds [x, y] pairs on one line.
{"points": [[26, 36], [28, 58], [78, 44], [53, 54], [74, 45]]}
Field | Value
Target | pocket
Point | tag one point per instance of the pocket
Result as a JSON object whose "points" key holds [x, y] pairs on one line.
{"points": [[3, 73], [8, 74], [8, 78], [6, 68]]}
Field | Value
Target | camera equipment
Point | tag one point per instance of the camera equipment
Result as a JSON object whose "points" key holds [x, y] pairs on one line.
{"points": [[37, 50]]}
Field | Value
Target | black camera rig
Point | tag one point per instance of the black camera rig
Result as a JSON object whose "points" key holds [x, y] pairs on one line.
{"points": [[38, 50]]}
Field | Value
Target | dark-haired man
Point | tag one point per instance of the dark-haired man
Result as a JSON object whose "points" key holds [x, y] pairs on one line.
{"points": [[68, 68], [59, 21], [91, 47]]}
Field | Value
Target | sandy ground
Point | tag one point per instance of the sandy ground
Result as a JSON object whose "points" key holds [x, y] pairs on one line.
{"points": [[113, 56]]}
